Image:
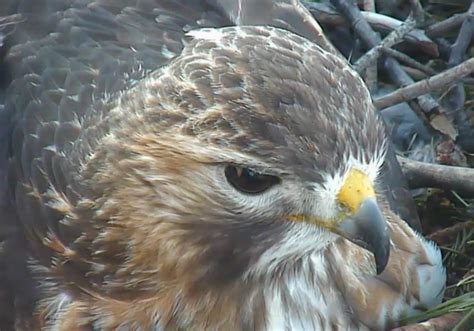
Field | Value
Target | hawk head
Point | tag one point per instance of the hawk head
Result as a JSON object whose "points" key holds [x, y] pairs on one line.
{"points": [[252, 148]]}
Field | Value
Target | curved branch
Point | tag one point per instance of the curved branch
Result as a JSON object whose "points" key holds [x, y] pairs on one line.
{"points": [[421, 174]]}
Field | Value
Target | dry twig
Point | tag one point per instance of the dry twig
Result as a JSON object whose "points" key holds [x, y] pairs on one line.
{"points": [[440, 28], [326, 14], [371, 74], [409, 61], [393, 38], [421, 174], [448, 235], [393, 68], [464, 38], [456, 96], [422, 87]]}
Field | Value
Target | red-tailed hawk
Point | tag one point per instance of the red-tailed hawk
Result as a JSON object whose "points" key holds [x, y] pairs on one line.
{"points": [[170, 171]]}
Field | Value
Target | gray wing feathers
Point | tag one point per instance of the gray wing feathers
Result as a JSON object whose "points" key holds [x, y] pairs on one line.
{"points": [[63, 58]]}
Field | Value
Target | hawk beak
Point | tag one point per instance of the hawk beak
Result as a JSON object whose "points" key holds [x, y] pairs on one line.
{"points": [[365, 225], [367, 229]]}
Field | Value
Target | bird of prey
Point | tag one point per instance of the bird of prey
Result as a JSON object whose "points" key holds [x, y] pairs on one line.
{"points": [[195, 165]]}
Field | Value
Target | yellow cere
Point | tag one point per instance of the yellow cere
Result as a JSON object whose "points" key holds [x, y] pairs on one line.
{"points": [[356, 188]]}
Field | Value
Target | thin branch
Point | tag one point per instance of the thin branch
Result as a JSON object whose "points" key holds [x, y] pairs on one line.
{"points": [[409, 61], [358, 22], [371, 74], [422, 87], [449, 234], [418, 12], [464, 38], [456, 97], [393, 38], [393, 68], [440, 28], [416, 36], [422, 174], [326, 14], [414, 73], [426, 102]]}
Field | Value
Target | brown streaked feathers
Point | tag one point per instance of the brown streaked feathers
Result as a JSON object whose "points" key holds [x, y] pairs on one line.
{"points": [[120, 118]]}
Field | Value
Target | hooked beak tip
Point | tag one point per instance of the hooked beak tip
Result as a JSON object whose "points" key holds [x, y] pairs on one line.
{"points": [[367, 228]]}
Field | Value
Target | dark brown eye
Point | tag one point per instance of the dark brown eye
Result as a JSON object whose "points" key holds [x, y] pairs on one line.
{"points": [[248, 181]]}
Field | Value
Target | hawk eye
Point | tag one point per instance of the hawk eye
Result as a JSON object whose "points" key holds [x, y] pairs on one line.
{"points": [[248, 181]]}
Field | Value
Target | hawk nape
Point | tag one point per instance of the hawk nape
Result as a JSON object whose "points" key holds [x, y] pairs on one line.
{"points": [[165, 169]]}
